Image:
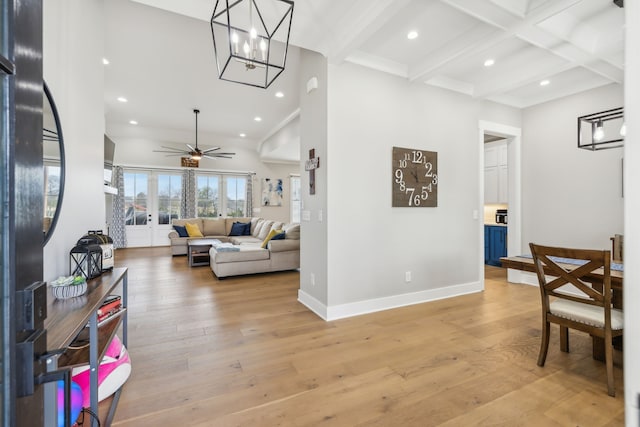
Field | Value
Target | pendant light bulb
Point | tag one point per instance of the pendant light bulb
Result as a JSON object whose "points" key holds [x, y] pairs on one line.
{"points": [[253, 33], [598, 133], [623, 130]]}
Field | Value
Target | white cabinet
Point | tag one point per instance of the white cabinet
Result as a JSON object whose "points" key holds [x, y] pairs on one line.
{"points": [[496, 172]]}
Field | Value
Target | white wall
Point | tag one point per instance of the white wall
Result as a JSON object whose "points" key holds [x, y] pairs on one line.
{"points": [[73, 45], [139, 152], [313, 135], [632, 213], [370, 244], [570, 196]]}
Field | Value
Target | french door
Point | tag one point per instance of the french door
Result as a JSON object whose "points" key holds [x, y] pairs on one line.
{"points": [[152, 200]]}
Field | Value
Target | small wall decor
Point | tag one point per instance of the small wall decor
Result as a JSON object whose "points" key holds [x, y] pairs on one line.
{"points": [[272, 192], [188, 162], [414, 178], [311, 165]]}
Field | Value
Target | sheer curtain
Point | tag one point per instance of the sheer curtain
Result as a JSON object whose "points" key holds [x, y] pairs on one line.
{"points": [[249, 212], [188, 202], [117, 231]]}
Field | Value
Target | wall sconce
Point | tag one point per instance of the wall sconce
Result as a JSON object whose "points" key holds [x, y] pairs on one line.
{"points": [[603, 130]]}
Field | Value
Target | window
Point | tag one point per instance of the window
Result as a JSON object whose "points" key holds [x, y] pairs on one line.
{"points": [[296, 202], [221, 195], [169, 196], [52, 189], [136, 187], [236, 197], [207, 201]]}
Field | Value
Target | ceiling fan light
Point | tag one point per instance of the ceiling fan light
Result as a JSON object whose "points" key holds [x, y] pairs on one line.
{"points": [[196, 156]]}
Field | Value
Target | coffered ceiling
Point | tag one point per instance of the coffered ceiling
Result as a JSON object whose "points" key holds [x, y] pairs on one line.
{"points": [[162, 53]]}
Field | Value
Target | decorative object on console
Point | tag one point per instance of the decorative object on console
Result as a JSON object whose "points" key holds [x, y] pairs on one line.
{"points": [[195, 153], [603, 130], [113, 372], [69, 287], [76, 402], [244, 40], [415, 178], [85, 259], [106, 244]]}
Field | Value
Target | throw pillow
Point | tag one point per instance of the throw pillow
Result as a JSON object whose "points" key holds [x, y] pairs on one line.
{"points": [[279, 236], [239, 228], [193, 230], [270, 236], [247, 229], [266, 228], [182, 231], [293, 231]]}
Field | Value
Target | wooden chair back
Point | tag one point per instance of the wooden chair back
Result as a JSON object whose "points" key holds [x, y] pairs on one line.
{"points": [[617, 246], [546, 262]]}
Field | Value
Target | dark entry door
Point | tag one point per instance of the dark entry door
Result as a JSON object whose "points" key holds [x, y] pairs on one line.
{"points": [[21, 201]]}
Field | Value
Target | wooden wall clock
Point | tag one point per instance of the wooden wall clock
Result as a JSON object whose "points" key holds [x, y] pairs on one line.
{"points": [[414, 178]]}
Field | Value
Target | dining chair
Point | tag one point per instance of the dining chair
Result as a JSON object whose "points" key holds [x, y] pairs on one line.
{"points": [[617, 245], [585, 307]]}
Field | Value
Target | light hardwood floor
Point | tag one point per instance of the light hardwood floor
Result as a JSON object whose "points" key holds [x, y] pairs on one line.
{"points": [[244, 352]]}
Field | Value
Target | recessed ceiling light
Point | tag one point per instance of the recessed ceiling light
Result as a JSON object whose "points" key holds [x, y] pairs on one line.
{"points": [[258, 119], [544, 82], [489, 62], [105, 61], [412, 35], [122, 99], [133, 122], [279, 94], [242, 135]]}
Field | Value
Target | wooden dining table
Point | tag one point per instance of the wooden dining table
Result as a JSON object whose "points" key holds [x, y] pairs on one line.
{"points": [[525, 263]]}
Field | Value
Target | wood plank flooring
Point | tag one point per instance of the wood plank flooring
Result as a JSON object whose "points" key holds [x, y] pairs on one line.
{"points": [[243, 352]]}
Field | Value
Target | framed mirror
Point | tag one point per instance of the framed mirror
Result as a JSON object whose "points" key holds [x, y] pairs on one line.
{"points": [[53, 164]]}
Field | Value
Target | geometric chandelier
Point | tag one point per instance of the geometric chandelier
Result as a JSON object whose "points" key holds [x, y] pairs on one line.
{"points": [[603, 130], [251, 39]]}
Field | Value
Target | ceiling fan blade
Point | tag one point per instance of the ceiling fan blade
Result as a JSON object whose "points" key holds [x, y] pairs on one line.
{"points": [[216, 156], [210, 149], [172, 152], [190, 147], [169, 150], [223, 154]]}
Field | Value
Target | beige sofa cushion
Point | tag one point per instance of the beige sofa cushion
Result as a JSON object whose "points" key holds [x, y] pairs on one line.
{"points": [[256, 230], [254, 222], [292, 231], [214, 227], [283, 245], [277, 226], [246, 253], [265, 229]]}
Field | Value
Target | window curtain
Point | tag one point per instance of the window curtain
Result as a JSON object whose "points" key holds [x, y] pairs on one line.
{"points": [[250, 195], [118, 231], [188, 202]]}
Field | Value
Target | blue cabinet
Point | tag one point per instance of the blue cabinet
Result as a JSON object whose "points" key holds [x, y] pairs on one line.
{"points": [[495, 244]]}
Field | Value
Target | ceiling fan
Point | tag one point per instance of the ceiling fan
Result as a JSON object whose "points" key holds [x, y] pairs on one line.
{"points": [[194, 152]]}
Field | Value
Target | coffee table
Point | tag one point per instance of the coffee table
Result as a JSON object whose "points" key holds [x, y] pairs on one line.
{"points": [[198, 251]]}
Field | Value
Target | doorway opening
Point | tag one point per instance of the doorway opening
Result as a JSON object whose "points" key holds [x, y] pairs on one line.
{"points": [[500, 177]]}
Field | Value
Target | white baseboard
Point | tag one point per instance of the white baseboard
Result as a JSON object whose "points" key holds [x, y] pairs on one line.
{"points": [[342, 311], [312, 304]]}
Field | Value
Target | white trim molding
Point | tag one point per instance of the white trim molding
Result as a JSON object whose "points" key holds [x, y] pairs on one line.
{"points": [[342, 311]]}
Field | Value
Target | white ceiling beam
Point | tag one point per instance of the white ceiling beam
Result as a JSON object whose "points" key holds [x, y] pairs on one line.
{"points": [[363, 23], [493, 15], [377, 63]]}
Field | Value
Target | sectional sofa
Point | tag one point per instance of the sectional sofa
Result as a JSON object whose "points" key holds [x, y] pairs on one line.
{"points": [[250, 254]]}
